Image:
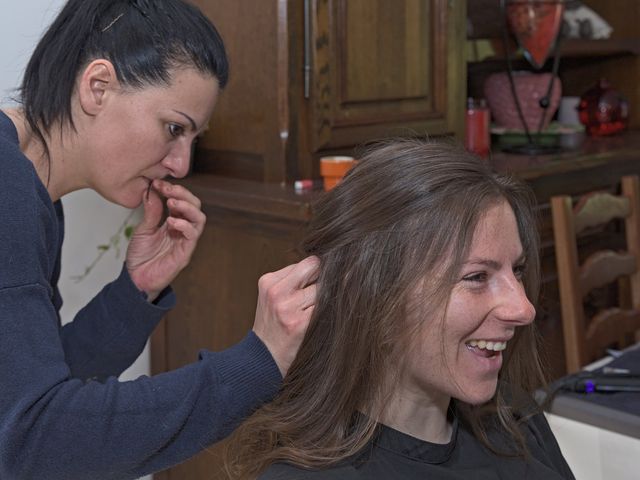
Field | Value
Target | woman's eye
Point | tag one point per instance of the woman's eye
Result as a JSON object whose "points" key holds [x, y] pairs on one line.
{"points": [[175, 130], [519, 271], [475, 277]]}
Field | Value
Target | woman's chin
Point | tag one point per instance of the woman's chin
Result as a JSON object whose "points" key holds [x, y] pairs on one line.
{"points": [[127, 201], [478, 394]]}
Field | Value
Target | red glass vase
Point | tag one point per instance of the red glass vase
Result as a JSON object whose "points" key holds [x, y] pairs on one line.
{"points": [[603, 110]]}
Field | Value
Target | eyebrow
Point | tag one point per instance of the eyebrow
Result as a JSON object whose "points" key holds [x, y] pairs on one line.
{"points": [[194, 127], [494, 264], [484, 262]]}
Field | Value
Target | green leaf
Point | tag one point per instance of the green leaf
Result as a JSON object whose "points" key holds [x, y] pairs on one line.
{"points": [[124, 229], [128, 232]]}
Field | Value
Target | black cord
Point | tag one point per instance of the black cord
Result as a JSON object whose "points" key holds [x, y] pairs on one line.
{"points": [[544, 101], [505, 39]]}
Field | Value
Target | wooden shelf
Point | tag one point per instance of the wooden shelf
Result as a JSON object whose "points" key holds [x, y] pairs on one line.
{"points": [[492, 49], [598, 48]]}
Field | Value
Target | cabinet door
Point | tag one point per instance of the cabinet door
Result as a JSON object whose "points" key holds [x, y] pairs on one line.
{"points": [[381, 68]]}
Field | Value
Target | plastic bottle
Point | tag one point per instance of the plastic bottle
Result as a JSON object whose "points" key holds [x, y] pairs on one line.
{"points": [[477, 136]]}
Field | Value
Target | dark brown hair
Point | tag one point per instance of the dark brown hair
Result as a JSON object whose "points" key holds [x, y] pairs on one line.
{"points": [[406, 212], [143, 39]]}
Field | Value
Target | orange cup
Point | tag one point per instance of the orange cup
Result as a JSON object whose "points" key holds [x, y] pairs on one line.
{"points": [[334, 168]]}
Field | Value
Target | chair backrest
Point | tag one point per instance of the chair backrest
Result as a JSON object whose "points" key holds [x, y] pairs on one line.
{"points": [[587, 339]]}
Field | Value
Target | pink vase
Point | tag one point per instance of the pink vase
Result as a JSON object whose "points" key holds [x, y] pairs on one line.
{"points": [[530, 88]]}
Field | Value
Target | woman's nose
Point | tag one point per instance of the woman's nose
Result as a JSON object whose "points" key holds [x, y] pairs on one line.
{"points": [[178, 160], [515, 307]]}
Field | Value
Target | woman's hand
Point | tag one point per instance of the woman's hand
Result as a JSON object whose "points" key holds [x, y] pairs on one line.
{"points": [[286, 299], [159, 251]]}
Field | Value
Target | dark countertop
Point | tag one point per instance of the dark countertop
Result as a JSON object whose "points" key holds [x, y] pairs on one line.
{"points": [[251, 197]]}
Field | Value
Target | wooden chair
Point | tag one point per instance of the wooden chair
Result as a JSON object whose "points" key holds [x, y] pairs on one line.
{"points": [[585, 339]]}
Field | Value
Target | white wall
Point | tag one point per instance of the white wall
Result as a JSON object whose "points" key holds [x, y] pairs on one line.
{"points": [[90, 220], [20, 28]]}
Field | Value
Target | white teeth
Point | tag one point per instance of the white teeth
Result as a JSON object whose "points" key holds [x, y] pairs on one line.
{"points": [[488, 345]]}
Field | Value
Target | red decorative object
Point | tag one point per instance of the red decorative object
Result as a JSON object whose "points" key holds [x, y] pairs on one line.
{"points": [[535, 24], [603, 110], [477, 137], [530, 88]]}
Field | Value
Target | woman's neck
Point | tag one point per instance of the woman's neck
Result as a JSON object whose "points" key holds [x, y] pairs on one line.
{"points": [[50, 170], [419, 416]]}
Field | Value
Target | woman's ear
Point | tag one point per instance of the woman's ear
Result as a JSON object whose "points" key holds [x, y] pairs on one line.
{"points": [[98, 80]]}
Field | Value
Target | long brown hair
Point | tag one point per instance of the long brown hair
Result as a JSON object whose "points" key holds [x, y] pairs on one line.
{"points": [[406, 212]]}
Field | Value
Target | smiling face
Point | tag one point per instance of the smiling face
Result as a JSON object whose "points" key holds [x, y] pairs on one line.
{"points": [[460, 355], [143, 134]]}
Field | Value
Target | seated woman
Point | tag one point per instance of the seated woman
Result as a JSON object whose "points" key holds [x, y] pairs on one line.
{"points": [[421, 352]]}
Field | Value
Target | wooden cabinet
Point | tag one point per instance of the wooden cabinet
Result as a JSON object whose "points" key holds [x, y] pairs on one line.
{"points": [[386, 67], [310, 77]]}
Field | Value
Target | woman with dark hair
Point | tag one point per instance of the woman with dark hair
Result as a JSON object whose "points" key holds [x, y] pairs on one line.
{"points": [[112, 99], [421, 351]]}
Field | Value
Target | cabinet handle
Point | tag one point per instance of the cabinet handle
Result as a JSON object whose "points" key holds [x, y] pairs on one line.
{"points": [[307, 48]]}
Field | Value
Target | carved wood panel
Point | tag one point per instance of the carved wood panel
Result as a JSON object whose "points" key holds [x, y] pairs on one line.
{"points": [[384, 68]]}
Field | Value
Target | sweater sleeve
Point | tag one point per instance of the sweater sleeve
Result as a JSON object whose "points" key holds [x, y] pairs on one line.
{"points": [[110, 332], [56, 427]]}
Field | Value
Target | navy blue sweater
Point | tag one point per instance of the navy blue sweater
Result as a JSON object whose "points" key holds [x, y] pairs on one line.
{"points": [[63, 412]]}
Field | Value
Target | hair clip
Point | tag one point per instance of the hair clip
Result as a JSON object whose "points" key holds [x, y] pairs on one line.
{"points": [[112, 22]]}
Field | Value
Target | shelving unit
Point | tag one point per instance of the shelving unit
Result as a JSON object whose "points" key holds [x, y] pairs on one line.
{"points": [[583, 61]]}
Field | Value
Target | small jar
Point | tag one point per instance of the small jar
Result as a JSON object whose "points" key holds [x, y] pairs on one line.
{"points": [[333, 168], [477, 136]]}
